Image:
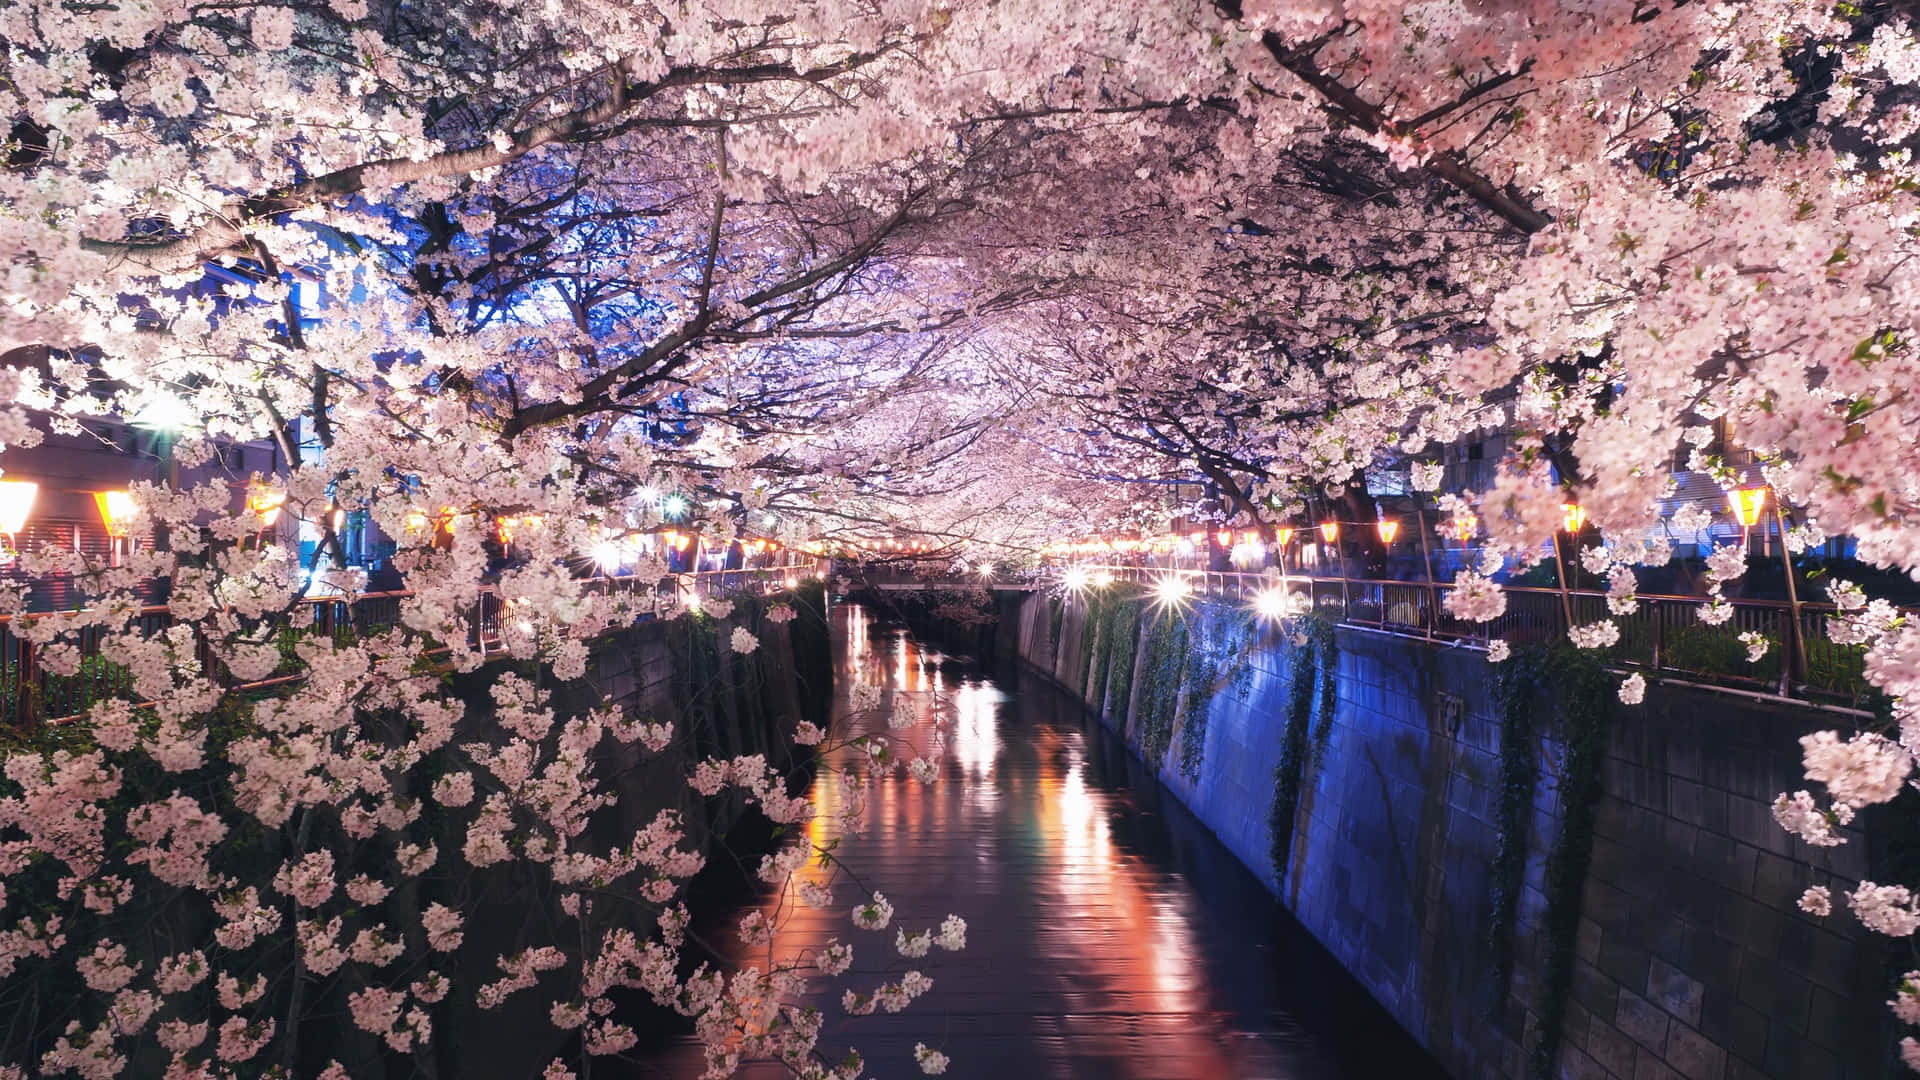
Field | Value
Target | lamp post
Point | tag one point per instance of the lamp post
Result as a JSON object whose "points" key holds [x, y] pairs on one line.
{"points": [[1748, 504], [1574, 517]]}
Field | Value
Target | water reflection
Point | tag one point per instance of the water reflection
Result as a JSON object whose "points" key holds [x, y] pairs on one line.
{"points": [[1109, 936]]}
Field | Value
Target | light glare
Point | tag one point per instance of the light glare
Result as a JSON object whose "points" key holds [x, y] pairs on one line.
{"points": [[1171, 591], [1271, 604]]}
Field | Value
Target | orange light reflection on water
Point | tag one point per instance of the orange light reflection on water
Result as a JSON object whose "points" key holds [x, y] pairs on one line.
{"points": [[1015, 840]]}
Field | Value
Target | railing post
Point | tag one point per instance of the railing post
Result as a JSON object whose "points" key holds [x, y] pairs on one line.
{"points": [[1659, 609]]}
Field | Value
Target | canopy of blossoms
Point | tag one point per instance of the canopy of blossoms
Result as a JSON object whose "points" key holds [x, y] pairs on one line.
{"points": [[981, 272]]}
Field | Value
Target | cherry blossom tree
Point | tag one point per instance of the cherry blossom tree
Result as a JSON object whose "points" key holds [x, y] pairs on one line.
{"points": [[975, 272]]}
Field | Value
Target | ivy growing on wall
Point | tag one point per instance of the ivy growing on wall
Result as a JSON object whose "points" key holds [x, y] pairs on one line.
{"points": [[1218, 644], [1584, 691], [1516, 684], [1125, 636], [1162, 662], [1096, 642], [1313, 638]]}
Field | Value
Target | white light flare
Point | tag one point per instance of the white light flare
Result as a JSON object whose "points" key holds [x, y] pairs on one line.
{"points": [[1171, 591]]}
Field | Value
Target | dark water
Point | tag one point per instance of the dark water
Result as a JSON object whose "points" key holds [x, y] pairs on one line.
{"points": [[1110, 935]]}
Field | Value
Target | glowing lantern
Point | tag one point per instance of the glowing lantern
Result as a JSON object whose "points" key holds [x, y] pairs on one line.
{"points": [[1197, 538], [1075, 579], [1284, 534], [1225, 536], [1388, 528], [1330, 531], [117, 512], [265, 503], [16, 504], [1747, 504], [1575, 516]]}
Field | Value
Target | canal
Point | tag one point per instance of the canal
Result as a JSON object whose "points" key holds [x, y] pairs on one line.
{"points": [[1109, 933]]}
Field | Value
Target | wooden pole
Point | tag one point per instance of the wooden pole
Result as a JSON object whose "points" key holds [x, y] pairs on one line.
{"points": [[1433, 590], [1797, 658], [1560, 566]]}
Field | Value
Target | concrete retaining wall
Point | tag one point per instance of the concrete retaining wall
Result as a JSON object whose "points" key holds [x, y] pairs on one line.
{"points": [[1693, 960]]}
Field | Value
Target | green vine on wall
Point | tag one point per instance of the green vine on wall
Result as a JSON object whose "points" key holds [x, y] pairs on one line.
{"points": [[1126, 647], [1218, 649], [1326, 645], [1162, 662], [1096, 644], [1516, 684], [1585, 693], [1313, 637]]}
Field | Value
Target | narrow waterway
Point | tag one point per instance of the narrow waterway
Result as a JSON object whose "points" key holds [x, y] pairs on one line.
{"points": [[1110, 935]]}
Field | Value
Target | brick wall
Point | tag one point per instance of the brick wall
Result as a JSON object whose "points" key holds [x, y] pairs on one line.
{"points": [[1693, 960]]}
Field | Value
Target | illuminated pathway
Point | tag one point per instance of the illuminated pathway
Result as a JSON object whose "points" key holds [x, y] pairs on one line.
{"points": [[1109, 934]]}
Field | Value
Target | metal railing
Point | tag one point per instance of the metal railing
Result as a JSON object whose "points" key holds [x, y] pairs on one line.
{"points": [[30, 693], [1663, 635]]}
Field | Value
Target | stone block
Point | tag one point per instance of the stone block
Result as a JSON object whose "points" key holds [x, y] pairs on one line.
{"points": [[1724, 861], [1648, 1066], [1575, 1064], [1625, 963], [1594, 991], [1683, 799], [1791, 1055], [1706, 956], [1778, 881], [1731, 1023], [1692, 1055], [1641, 1020], [1612, 1048], [1675, 991], [1586, 942], [1785, 998]]}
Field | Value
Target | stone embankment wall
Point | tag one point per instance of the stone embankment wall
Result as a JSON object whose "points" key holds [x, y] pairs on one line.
{"points": [[721, 703], [1678, 945]]}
